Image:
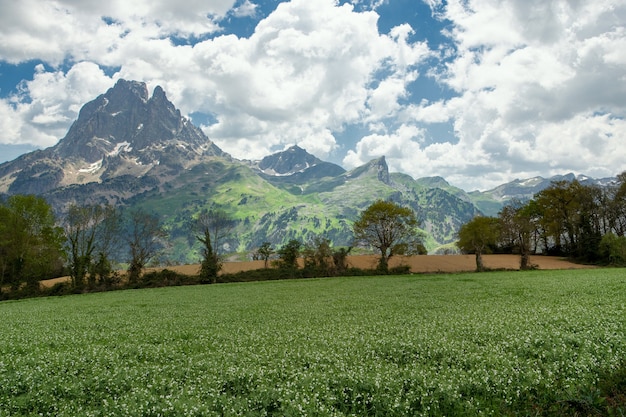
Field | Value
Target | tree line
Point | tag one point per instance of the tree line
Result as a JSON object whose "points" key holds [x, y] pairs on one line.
{"points": [[586, 223], [91, 241]]}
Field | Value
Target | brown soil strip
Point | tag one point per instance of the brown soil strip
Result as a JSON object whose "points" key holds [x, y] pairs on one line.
{"points": [[418, 264]]}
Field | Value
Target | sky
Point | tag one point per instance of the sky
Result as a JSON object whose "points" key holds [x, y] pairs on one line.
{"points": [[480, 92]]}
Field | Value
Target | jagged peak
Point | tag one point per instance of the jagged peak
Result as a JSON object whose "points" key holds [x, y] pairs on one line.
{"points": [[376, 166], [138, 88], [291, 160]]}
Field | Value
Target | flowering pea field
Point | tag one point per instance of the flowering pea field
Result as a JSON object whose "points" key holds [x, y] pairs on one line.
{"points": [[500, 343]]}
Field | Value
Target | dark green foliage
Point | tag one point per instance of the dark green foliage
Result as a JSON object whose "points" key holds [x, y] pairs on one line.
{"points": [[31, 245], [288, 255], [167, 278], [213, 227], [612, 249], [318, 257], [387, 227], [264, 253]]}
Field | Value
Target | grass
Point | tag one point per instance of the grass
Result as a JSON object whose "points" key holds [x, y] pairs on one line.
{"points": [[502, 343]]}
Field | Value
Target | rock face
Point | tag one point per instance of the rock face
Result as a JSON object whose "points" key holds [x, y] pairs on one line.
{"points": [[378, 167], [121, 132]]}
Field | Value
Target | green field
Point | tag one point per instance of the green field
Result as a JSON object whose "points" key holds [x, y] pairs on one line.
{"points": [[521, 343]]}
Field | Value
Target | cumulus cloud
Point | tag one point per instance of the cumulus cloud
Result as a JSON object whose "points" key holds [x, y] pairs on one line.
{"points": [[41, 112], [532, 87], [541, 88], [246, 9], [308, 70]]}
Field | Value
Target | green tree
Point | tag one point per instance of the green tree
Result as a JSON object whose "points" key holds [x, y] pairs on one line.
{"points": [[318, 256], [91, 232], [80, 231], [108, 236], [213, 227], [288, 256], [145, 240], [478, 236], [387, 227], [518, 229], [31, 243], [340, 260], [264, 252], [613, 249], [572, 219]]}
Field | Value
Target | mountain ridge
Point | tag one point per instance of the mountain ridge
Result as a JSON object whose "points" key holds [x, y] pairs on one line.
{"points": [[135, 150]]}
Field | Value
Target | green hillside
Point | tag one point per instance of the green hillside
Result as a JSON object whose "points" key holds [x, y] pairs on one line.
{"points": [[277, 210]]}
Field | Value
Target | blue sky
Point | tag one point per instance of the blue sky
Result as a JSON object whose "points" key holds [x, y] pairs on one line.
{"points": [[478, 91]]}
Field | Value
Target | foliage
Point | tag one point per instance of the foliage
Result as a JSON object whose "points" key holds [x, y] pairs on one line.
{"points": [[518, 229], [387, 227], [91, 232], [613, 249], [145, 240], [288, 256], [340, 260], [571, 219], [264, 252], [566, 218], [212, 226], [31, 245], [478, 236], [318, 256], [503, 343]]}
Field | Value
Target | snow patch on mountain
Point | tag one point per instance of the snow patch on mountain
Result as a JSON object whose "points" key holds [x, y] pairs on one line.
{"points": [[92, 168]]}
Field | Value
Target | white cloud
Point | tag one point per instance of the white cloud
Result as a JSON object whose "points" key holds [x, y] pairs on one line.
{"points": [[308, 70], [538, 87], [246, 9], [541, 89], [42, 112], [86, 30]]}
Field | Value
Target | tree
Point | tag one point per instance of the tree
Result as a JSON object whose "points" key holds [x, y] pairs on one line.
{"points": [[91, 233], [212, 226], [264, 252], [477, 236], [572, 218], [617, 219], [31, 245], [144, 238], [318, 255], [613, 249], [80, 230], [109, 235], [288, 255], [340, 260], [387, 227], [518, 228]]}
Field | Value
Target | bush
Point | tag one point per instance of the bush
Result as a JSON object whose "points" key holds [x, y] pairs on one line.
{"points": [[613, 249], [165, 278]]}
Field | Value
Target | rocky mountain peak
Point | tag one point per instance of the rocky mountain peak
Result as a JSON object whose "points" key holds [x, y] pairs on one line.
{"points": [[292, 160], [377, 167], [123, 131], [126, 118]]}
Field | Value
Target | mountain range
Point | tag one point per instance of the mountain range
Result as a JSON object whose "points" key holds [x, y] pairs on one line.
{"points": [[134, 150]]}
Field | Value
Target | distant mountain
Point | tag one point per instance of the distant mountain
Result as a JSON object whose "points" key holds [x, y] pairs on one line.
{"points": [[491, 201], [296, 169], [123, 132], [136, 151]]}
